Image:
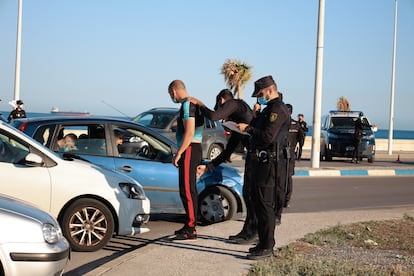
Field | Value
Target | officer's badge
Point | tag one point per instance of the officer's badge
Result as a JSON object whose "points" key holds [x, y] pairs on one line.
{"points": [[273, 117]]}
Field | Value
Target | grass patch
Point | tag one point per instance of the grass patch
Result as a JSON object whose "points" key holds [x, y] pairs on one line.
{"points": [[365, 248]]}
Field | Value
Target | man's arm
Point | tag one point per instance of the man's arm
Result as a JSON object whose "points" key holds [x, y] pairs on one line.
{"points": [[222, 113]]}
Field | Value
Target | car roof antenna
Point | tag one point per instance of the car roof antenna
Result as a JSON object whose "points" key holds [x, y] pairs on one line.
{"points": [[111, 106]]}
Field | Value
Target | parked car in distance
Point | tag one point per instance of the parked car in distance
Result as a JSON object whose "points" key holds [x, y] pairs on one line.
{"points": [[91, 203], [31, 241], [146, 156], [164, 120], [337, 136]]}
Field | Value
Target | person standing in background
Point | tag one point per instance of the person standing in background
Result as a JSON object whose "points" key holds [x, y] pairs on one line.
{"points": [[18, 112], [286, 167], [188, 157], [359, 133], [304, 126]]}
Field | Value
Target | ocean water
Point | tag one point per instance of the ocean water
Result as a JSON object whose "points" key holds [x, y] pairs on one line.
{"points": [[380, 134], [383, 134]]}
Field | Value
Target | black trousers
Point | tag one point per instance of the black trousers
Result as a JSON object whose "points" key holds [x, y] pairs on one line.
{"points": [[263, 197], [280, 190], [357, 148], [232, 143], [284, 182], [187, 171], [250, 223], [300, 146]]}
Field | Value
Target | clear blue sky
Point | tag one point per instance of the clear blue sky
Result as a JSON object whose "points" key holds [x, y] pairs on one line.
{"points": [[78, 53]]}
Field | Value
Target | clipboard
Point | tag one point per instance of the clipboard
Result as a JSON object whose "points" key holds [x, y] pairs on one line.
{"points": [[233, 127]]}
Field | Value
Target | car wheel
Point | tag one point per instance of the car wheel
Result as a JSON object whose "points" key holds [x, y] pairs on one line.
{"points": [[214, 151], [217, 204], [88, 225], [371, 159]]}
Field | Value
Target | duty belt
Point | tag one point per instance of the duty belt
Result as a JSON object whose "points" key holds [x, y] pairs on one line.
{"points": [[264, 155]]}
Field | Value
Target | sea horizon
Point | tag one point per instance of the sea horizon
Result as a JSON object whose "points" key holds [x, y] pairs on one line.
{"points": [[379, 134]]}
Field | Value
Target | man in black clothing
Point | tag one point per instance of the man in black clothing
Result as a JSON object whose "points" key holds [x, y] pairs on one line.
{"points": [[18, 112], [267, 131], [228, 109], [304, 127], [286, 167], [236, 110], [359, 128]]}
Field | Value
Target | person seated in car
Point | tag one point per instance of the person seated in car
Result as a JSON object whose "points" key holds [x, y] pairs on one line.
{"points": [[119, 140], [67, 143]]}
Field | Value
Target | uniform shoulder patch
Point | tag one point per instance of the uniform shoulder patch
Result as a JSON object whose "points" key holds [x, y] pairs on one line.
{"points": [[273, 117]]}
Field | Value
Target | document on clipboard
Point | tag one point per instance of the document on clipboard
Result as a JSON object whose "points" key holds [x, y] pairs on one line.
{"points": [[233, 127]]}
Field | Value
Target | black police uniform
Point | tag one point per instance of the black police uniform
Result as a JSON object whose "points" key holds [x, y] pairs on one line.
{"points": [[235, 110], [286, 169], [16, 114], [304, 126], [238, 111], [267, 130], [359, 128]]}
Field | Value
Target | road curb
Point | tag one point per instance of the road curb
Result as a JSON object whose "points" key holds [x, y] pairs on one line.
{"points": [[353, 172]]}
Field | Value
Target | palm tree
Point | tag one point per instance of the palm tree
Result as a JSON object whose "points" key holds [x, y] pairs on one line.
{"points": [[236, 75], [343, 104]]}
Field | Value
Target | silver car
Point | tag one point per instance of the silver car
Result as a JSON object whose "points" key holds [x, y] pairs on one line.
{"points": [[31, 241], [164, 121]]}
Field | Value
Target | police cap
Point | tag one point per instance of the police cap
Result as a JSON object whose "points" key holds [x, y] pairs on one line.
{"points": [[262, 83]]}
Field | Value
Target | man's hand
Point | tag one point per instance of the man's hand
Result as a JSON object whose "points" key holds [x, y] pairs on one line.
{"points": [[242, 126], [195, 101], [176, 158], [202, 169]]}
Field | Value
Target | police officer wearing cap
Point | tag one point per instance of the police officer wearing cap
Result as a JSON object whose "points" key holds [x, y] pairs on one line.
{"points": [[18, 112], [268, 132], [286, 166]]}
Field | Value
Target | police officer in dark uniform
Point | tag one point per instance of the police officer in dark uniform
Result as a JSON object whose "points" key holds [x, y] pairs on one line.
{"points": [[305, 129], [286, 166], [267, 131], [18, 112], [236, 110], [359, 129]]}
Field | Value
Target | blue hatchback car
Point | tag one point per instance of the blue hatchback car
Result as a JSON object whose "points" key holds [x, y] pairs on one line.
{"points": [[142, 154]]}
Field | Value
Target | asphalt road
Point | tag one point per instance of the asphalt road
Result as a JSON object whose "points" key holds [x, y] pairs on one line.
{"points": [[309, 195]]}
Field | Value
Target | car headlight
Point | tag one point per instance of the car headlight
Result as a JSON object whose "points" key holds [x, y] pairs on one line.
{"points": [[51, 233], [132, 190]]}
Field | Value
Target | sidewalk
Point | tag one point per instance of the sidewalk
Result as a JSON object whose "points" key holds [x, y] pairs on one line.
{"points": [[212, 254], [398, 163]]}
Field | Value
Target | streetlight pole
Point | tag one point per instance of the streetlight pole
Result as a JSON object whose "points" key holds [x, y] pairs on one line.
{"points": [[316, 133], [391, 126], [18, 51]]}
